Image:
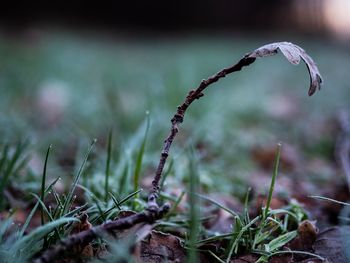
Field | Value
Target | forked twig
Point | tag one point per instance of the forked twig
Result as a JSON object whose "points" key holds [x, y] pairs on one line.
{"points": [[85, 237]]}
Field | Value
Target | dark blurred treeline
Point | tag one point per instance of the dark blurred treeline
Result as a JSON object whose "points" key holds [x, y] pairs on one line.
{"points": [[166, 16]]}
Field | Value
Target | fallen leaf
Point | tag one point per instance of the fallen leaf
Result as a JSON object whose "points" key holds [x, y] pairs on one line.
{"points": [[84, 224], [333, 244], [160, 247], [307, 233], [293, 53]]}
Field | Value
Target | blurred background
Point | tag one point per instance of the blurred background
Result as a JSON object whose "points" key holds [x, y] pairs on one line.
{"points": [[72, 72]]}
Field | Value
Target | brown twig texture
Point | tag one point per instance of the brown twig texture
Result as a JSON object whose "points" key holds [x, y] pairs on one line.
{"points": [[180, 114], [85, 237], [292, 52]]}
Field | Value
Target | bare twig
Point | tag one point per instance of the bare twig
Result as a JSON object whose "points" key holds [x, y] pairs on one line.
{"points": [[292, 52], [85, 237], [180, 113]]}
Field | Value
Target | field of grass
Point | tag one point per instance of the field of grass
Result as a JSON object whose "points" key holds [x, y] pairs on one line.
{"points": [[66, 89]]}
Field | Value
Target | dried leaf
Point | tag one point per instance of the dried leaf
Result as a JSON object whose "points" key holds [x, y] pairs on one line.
{"points": [[293, 53], [160, 247], [333, 243], [308, 229], [84, 224], [307, 232]]}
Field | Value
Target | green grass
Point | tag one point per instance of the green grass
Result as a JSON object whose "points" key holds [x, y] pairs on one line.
{"points": [[108, 163]]}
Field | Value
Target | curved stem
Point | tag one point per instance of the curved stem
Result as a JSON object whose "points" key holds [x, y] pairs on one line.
{"points": [[180, 113]]}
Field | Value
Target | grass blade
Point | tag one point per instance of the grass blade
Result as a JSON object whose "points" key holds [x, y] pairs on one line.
{"points": [[27, 245], [216, 257], [29, 218], [281, 240], [123, 186], [4, 156], [323, 198], [129, 196], [19, 150], [237, 239], [43, 182], [176, 204], [298, 252], [32, 212], [214, 238], [69, 197], [115, 201], [273, 179], [218, 204], [8, 165], [140, 155], [108, 162]]}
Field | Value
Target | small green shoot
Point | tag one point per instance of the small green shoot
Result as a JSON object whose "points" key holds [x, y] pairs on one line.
{"points": [[273, 179], [123, 183], [108, 163], [176, 204], [140, 154], [42, 194], [237, 239], [69, 198]]}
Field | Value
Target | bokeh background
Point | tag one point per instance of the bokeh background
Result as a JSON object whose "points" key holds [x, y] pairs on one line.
{"points": [[72, 72]]}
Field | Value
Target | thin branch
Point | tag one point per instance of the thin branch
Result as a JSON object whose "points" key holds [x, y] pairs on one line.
{"points": [[292, 52], [85, 237], [180, 114]]}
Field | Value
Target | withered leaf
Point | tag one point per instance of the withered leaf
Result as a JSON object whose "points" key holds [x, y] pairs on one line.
{"points": [[333, 243], [293, 53], [160, 247]]}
